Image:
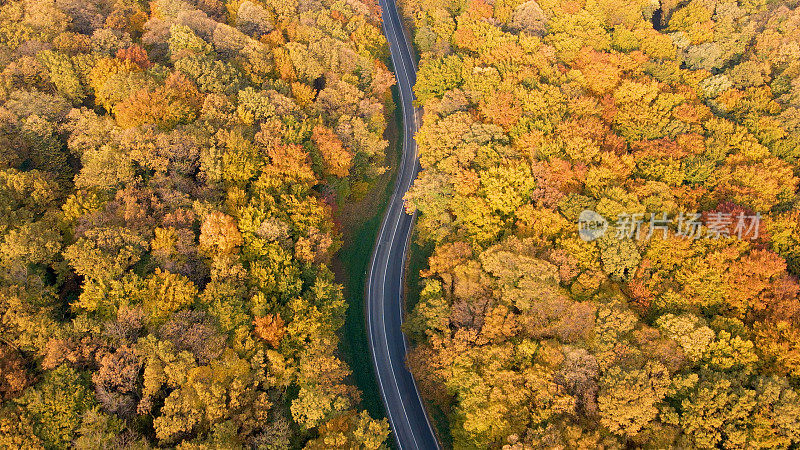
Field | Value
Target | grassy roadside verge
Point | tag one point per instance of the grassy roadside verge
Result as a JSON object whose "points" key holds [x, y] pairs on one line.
{"points": [[359, 223]]}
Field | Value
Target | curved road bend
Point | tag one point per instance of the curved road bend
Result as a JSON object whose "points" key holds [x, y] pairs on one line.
{"points": [[409, 422]]}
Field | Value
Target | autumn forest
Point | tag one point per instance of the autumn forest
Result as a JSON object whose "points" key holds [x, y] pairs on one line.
{"points": [[168, 171], [529, 336], [171, 173]]}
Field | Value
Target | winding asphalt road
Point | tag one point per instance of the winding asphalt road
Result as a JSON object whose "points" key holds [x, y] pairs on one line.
{"points": [[409, 422]]}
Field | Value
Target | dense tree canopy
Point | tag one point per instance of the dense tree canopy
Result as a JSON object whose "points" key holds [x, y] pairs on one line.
{"points": [[168, 171], [529, 336]]}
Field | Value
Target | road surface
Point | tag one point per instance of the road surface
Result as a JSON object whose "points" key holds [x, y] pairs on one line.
{"points": [[410, 425]]}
